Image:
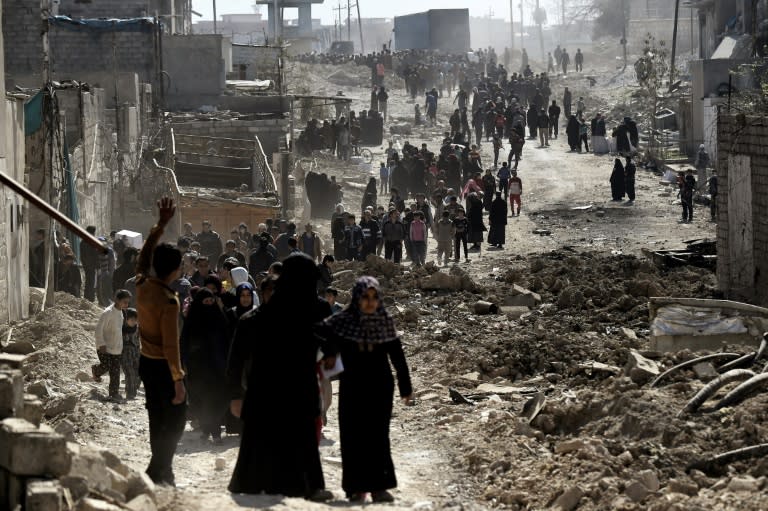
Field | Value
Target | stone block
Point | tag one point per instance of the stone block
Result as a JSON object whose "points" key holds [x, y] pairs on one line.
{"points": [[640, 369], [569, 446], [88, 463], [636, 491], [139, 483], [11, 393], [521, 297], [650, 479], [44, 496], [61, 406], [28, 450], [77, 486], [12, 361], [569, 499], [118, 483], [95, 505], [32, 410], [142, 503]]}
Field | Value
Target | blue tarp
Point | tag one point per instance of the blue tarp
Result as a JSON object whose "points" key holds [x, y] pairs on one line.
{"points": [[33, 114], [104, 24]]}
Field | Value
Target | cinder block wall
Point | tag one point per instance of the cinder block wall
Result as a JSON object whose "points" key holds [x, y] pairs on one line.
{"points": [[744, 135]]}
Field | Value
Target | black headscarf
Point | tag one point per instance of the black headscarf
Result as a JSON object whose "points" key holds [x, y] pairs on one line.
{"points": [[297, 285], [352, 325], [239, 309]]}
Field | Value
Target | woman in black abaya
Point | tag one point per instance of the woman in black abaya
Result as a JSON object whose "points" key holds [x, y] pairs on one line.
{"points": [[498, 221], [204, 345], [617, 181], [365, 336], [279, 452]]}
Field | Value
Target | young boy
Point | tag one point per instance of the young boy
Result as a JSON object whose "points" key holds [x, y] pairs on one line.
{"points": [[331, 294], [130, 357], [109, 343], [460, 232], [515, 192], [444, 232]]}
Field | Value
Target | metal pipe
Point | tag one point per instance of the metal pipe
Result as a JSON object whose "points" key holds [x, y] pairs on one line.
{"points": [[710, 388], [512, 25], [51, 211], [674, 45], [693, 362]]}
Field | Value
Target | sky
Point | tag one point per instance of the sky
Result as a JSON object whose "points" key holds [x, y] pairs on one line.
{"points": [[388, 8]]}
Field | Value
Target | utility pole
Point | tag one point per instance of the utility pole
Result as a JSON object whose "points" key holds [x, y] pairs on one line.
{"points": [[539, 15], [214, 17], [624, 32], [45, 11], [512, 25], [277, 21], [674, 45], [360, 27], [349, 20], [338, 10], [562, 22], [522, 27]]}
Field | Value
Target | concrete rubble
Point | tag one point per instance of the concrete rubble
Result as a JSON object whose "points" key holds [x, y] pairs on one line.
{"points": [[41, 471]]}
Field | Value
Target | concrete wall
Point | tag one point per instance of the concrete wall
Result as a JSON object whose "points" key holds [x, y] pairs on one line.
{"points": [[261, 62], [196, 70], [444, 29], [74, 53], [269, 131], [706, 76], [742, 232]]}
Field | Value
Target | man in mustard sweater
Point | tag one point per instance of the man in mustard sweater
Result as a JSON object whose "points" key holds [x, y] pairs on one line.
{"points": [[160, 364]]}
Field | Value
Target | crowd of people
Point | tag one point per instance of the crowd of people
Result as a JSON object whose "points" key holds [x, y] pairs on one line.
{"points": [[186, 325]]}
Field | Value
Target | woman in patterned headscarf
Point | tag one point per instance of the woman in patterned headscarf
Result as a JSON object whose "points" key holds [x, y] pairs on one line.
{"points": [[365, 337]]}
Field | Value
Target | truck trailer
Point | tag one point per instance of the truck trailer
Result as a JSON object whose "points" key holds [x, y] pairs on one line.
{"points": [[436, 29]]}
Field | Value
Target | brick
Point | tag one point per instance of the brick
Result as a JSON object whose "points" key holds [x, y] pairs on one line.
{"points": [[10, 361], [27, 450], [44, 496], [11, 393]]}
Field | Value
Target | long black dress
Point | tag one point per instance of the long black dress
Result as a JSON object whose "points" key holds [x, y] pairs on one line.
{"points": [[475, 217], [572, 130], [498, 221], [365, 395], [204, 345], [617, 180], [279, 445]]}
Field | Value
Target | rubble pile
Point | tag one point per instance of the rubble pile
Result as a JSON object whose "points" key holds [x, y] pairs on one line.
{"points": [[41, 378]]}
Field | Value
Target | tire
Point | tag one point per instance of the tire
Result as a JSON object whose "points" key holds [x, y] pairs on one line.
{"points": [[366, 155]]}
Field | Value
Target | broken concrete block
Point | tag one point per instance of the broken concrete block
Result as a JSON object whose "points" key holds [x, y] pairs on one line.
{"points": [[705, 371], [66, 429], [142, 503], [20, 348], [514, 312], [569, 446], [569, 499], [139, 483], [115, 463], [39, 388], [521, 297], [650, 479], [32, 410], [95, 505], [77, 486], [61, 406], [118, 483], [82, 376], [640, 369], [11, 393], [684, 487], [628, 333], [11, 361], [88, 463], [636, 491], [27, 450], [745, 484], [44, 496]]}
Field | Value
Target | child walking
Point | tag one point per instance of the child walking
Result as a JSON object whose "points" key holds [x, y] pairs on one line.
{"points": [[109, 343], [444, 238], [131, 353]]}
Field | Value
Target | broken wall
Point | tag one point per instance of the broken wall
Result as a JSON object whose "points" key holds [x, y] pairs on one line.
{"points": [[194, 68], [256, 62], [742, 232]]}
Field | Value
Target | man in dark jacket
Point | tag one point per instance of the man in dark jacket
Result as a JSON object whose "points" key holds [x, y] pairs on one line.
{"points": [[543, 126], [210, 242], [554, 119], [126, 270], [393, 232], [533, 121], [325, 274], [262, 257]]}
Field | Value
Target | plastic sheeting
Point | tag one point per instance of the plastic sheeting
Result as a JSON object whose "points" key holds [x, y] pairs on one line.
{"points": [[695, 321], [104, 24]]}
